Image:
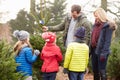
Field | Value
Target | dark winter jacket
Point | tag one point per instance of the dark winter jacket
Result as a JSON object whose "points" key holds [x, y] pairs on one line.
{"points": [[104, 41], [81, 21], [51, 56], [25, 60]]}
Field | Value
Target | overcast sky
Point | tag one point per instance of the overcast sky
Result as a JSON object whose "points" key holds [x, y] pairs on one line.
{"points": [[13, 6]]}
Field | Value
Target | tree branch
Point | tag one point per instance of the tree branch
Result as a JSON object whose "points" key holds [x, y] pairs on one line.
{"points": [[114, 13], [87, 3]]}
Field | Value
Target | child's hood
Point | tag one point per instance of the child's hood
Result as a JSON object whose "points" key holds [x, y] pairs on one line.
{"points": [[49, 50]]}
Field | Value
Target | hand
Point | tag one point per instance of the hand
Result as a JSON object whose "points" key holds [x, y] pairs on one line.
{"points": [[36, 52], [103, 57], [44, 28], [65, 71]]}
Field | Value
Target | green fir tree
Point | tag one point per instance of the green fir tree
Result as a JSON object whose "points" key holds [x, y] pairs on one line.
{"points": [[7, 63], [57, 9]]}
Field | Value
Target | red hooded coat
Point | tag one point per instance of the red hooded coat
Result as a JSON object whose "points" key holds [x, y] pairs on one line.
{"points": [[51, 56]]}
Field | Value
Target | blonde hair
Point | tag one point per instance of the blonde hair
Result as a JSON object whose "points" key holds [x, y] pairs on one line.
{"points": [[19, 44], [102, 15]]}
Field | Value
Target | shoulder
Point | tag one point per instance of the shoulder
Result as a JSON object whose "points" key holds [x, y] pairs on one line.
{"points": [[111, 25], [83, 17], [73, 44], [106, 24], [26, 49], [83, 45], [86, 46], [78, 45], [56, 47]]}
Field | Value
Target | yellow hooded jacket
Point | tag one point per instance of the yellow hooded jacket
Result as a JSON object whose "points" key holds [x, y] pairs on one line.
{"points": [[76, 57]]}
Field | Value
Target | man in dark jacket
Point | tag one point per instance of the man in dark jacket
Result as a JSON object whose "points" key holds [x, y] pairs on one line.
{"points": [[70, 24]]}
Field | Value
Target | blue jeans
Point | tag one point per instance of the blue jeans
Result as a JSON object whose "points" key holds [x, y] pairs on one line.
{"points": [[49, 76], [76, 75]]}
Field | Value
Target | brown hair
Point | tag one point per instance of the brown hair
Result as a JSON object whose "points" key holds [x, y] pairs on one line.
{"points": [[18, 46], [76, 8]]}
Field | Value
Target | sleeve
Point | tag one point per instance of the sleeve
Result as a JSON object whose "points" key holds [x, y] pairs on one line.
{"points": [[29, 56], [59, 55], [87, 26], [87, 57], [107, 42], [59, 27], [41, 56], [68, 56]]}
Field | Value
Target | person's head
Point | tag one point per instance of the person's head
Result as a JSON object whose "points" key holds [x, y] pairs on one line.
{"points": [[75, 11], [21, 35], [80, 33], [100, 15], [49, 37], [23, 39]]}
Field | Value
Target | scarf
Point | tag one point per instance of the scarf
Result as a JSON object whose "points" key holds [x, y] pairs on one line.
{"points": [[96, 32]]}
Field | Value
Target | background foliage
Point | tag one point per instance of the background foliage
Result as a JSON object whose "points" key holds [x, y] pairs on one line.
{"points": [[7, 63], [113, 66]]}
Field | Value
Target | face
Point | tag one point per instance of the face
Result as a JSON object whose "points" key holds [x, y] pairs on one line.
{"points": [[96, 17], [28, 39], [75, 14]]}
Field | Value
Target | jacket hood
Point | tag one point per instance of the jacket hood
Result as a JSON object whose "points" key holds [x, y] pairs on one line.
{"points": [[82, 15], [49, 49], [110, 24]]}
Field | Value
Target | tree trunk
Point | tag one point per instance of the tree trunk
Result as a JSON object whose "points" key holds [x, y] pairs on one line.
{"points": [[32, 6], [42, 7], [104, 4]]}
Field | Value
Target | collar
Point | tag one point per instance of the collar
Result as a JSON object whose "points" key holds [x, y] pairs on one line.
{"points": [[50, 44], [24, 45], [79, 40]]}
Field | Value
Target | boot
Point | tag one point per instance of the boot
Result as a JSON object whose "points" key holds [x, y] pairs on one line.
{"points": [[96, 76], [103, 75]]}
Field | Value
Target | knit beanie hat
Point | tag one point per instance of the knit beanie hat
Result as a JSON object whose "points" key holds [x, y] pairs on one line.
{"points": [[49, 37], [80, 32], [21, 35]]}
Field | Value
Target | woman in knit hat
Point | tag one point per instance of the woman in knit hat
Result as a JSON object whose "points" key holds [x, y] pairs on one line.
{"points": [[51, 56], [24, 54], [76, 57]]}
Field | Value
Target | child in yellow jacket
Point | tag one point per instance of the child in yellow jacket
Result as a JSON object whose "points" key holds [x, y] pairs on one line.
{"points": [[76, 57]]}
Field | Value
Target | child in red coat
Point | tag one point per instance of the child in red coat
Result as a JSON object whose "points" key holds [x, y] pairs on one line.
{"points": [[51, 56]]}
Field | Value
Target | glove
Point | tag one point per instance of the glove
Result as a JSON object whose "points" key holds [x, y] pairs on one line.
{"points": [[103, 57], [36, 52], [65, 71]]}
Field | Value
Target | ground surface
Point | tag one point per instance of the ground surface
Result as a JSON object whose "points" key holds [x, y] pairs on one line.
{"points": [[61, 76]]}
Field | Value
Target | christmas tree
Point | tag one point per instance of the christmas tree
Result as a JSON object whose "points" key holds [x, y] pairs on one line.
{"points": [[7, 63]]}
